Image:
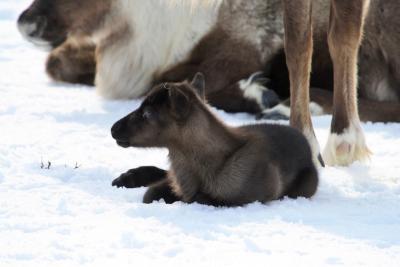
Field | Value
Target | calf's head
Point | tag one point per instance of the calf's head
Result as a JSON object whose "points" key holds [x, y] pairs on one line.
{"points": [[163, 115], [47, 23]]}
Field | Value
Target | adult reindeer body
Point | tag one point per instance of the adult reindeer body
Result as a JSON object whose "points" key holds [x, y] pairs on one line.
{"points": [[130, 45], [140, 43]]}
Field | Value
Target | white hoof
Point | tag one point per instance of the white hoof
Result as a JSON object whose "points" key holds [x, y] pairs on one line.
{"points": [[346, 148]]}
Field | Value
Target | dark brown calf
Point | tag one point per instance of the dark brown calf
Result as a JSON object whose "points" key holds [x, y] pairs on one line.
{"points": [[212, 163], [346, 142]]}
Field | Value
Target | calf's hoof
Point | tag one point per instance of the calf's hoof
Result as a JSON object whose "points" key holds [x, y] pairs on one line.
{"points": [[125, 180]]}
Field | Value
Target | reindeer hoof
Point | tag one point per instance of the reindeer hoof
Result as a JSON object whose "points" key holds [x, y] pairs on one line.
{"points": [[343, 149], [270, 98], [118, 182], [278, 112], [346, 148]]}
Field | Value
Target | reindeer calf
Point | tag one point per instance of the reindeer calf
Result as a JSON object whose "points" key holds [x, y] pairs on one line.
{"points": [[212, 163]]}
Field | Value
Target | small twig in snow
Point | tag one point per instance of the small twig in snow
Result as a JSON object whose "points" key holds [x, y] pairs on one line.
{"points": [[76, 166], [42, 166]]}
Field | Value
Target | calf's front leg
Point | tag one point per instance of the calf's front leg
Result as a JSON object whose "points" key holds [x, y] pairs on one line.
{"points": [[160, 191], [138, 177]]}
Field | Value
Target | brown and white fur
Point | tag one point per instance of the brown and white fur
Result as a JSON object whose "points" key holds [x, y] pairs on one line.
{"points": [[212, 163], [140, 43]]}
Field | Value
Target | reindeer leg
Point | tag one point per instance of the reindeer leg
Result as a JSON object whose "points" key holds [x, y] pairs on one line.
{"points": [[298, 48], [162, 190], [346, 142], [72, 62]]}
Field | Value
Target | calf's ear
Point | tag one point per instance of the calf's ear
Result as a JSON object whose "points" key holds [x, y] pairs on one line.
{"points": [[199, 84], [179, 103]]}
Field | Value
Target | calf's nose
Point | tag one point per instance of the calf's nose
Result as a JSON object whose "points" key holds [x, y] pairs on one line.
{"points": [[115, 129]]}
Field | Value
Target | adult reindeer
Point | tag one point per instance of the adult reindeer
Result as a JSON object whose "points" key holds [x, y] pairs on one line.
{"points": [[346, 142], [127, 46]]}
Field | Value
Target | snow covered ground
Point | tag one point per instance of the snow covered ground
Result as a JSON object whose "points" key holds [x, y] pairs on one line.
{"points": [[69, 215]]}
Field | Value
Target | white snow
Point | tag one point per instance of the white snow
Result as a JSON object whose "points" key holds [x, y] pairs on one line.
{"points": [[67, 216]]}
